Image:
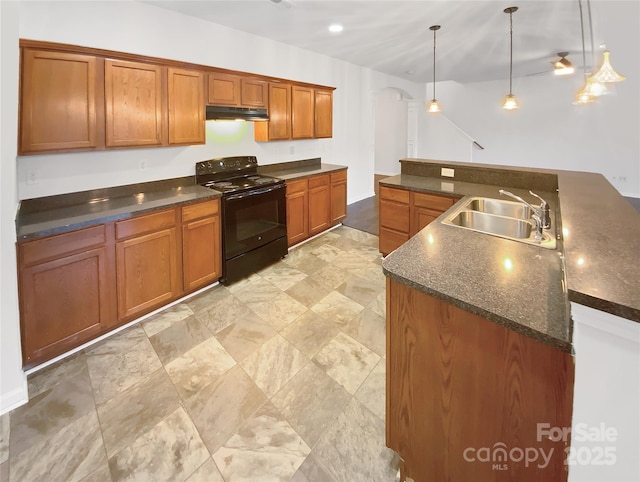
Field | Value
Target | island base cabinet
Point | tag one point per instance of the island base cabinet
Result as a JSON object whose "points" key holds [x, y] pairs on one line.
{"points": [[465, 395]]}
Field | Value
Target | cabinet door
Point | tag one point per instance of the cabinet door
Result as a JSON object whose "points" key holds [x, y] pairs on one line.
{"points": [[254, 93], [391, 240], [186, 106], [58, 102], [201, 251], [319, 204], [297, 211], [420, 218], [224, 89], [279, 125], [338, 197], [133, 104], [302, 112], [425, 208], [323, 113], [147, 272], [67, 297]]}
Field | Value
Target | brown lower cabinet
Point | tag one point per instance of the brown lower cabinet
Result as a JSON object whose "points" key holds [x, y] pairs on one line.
{"points": [[463, 391], [78, 285], [404, 213], [314, 204], [148, 262]]}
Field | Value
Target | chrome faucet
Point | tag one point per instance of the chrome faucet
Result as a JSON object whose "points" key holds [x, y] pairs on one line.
{"points": [[541, 212]]}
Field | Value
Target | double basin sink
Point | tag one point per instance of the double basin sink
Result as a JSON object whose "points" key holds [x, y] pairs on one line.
{"points": [[506, 219]]}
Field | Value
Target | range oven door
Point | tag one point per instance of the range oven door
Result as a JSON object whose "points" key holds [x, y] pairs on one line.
{"points": [[254, 219]]}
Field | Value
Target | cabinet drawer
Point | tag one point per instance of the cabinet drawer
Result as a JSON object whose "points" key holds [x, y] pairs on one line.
{"points": [[432, 201], [200, 210], [338, 176], [36, 251], [398, 195], [319, 181], [145, 224], [296, 186], [391, 240], [394, 215]]}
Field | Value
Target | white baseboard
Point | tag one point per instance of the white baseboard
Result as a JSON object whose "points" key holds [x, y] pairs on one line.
{"points": [[14, 398], [361, 197]]}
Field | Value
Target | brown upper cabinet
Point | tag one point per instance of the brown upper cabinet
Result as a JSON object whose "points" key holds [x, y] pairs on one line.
{"points": [[133, 104], [296, 112], [302, 111], [323, 113], [186, 106], [58, 108], [76, 98], [279, 126], [234, 90]]}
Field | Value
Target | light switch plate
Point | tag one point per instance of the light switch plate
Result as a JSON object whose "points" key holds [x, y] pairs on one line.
{"points": [[446, 172]]}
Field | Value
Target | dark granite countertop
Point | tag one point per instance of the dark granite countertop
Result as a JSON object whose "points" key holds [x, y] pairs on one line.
{"points": [[49, 215], [56, 214], [469, 268], [299, 169]]}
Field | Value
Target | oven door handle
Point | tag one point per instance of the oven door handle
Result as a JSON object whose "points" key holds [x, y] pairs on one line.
{"points": [[256, 192]]}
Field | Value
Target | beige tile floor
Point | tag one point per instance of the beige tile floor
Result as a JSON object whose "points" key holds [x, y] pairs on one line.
{"points": [[279, 377]]}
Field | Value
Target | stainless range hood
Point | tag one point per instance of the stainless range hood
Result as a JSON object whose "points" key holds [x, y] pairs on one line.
{"points": [[218, 112]]}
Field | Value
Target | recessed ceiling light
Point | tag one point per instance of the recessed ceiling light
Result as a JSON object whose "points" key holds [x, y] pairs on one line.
{"points": [[335, 28], [410, 72]]}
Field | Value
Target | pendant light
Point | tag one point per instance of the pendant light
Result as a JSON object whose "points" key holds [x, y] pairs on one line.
{"points": [[605, 73], [584, 95], [510, 101], [434, 105]]}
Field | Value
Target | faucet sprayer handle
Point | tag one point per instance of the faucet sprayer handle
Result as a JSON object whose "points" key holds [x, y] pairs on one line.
{"points": [[544, 209], [539, 226]]}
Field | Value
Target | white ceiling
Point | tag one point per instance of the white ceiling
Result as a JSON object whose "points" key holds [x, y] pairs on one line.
{"points": [[394, 36]]}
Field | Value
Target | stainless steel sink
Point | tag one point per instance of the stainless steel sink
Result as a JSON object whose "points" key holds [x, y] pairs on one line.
{"points": [[489, 223], [500, 207], [505, 219]]}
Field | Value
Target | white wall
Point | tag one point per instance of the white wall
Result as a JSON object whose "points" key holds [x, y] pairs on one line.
{"points": [[548, 130], [390, 131], [12, 380], [148, 30]]}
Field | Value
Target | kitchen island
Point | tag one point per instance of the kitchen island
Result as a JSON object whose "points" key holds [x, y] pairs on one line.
{"points": [[480, 339]]}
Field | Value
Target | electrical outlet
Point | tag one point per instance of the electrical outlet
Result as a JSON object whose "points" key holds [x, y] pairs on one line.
{"points": [[292, 149], [447, 172], [32, 176], [142, 164]]}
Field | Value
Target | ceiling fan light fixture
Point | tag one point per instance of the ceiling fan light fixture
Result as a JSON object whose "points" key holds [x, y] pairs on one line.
{"points": [[433, 107], [563, 66], [606, 73], [510, 102]]}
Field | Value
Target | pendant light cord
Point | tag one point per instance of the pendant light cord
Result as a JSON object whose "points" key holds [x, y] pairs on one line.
{"points": [[593, 52], [434, 63], [510, 52], [584, 55]]}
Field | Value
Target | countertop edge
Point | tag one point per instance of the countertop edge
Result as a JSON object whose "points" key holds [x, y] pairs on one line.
{"points": [[567, 347]]}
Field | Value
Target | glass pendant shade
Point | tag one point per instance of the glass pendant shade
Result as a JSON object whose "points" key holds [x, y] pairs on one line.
{"points": [[606, 73], [433, 106], [510, 102], [584, 95]]}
